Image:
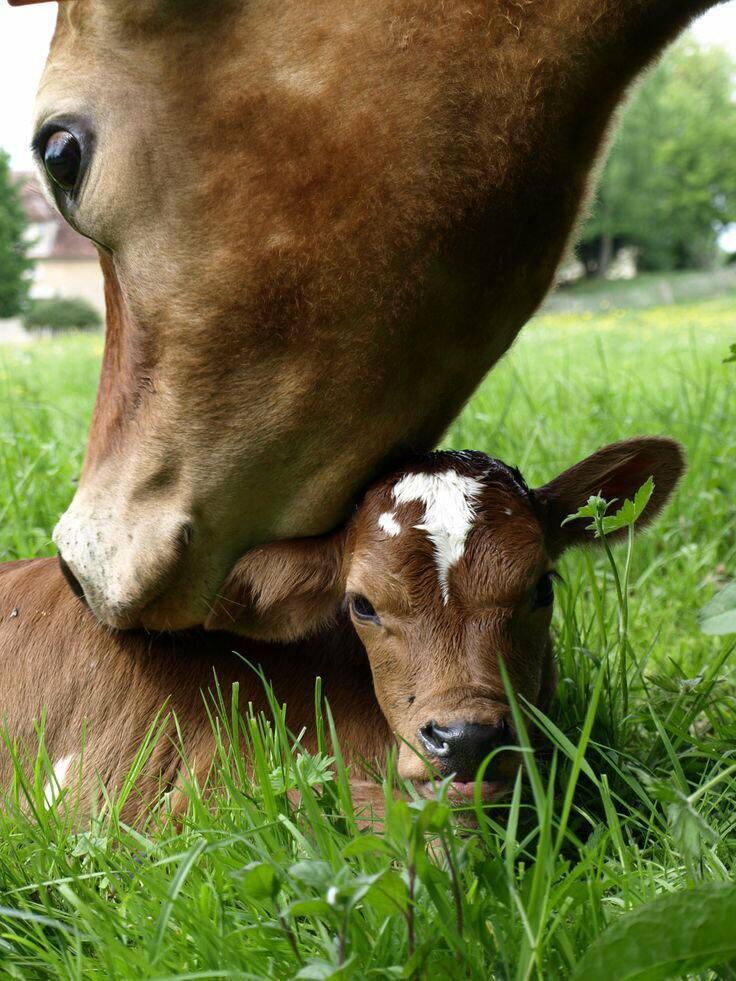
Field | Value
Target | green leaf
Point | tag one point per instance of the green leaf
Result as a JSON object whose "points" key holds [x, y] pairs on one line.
{"points": [[398, 821], [258, 880], [669, 937], [90, 845], [187, 863], [595, 508], [20, 914], [732, 356], [689, 829], [319, 970], [347, 892], [628, 514], [719, 616], [314, 770], [388, 896], [366, 844], [309, 907], [429, 815], [630, 511], [316, 874]]}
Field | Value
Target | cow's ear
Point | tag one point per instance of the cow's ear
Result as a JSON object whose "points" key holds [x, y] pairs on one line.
{"points": [[616, 473], [282, 591]]}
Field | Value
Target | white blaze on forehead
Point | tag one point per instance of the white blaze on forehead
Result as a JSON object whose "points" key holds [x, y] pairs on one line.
{"points": [[449, 501], [388, 523], [53, 788]]}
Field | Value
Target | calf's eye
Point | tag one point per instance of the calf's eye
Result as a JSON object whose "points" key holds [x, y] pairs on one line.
{"points": [[363, 609], [544, 594], [62, 158]]}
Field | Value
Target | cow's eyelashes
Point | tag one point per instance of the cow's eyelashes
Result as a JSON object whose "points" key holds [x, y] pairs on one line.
{"points": [[544, 593], [362, 609]]}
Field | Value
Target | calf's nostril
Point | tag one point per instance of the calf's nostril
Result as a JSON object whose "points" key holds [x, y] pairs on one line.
{"points": [[434, 739]]}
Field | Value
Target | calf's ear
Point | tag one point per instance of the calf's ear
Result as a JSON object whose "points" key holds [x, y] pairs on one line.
{"points": [[615, 472], [282, 591]]}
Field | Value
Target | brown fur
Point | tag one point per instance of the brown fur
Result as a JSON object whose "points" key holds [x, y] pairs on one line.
{"points": [[421, 660], [103, 689], [321, 227]]}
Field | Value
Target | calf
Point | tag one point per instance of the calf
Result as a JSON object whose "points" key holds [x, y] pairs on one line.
{"points": [[444, 569]]}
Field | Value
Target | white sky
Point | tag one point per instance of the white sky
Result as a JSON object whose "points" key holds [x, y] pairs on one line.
{"points": [[25, 33]]}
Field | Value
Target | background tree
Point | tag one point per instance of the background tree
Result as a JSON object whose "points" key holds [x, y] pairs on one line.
{"points": [[669, 184], [14, 263]]}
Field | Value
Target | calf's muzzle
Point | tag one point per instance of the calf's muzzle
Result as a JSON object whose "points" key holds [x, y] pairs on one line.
{"points": [[461, 748]]}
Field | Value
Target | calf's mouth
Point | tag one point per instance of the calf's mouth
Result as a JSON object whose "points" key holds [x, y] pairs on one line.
{"points": [[476, 756]]}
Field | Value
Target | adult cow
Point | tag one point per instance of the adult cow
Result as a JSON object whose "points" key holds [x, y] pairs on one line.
{"points": [[320, 224]]}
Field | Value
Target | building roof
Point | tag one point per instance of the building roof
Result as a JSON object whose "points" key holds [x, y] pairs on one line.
{"points": [[49, 235]]}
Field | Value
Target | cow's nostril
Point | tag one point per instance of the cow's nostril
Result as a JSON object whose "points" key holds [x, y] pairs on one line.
{"points": [[74, 583], [434, 739], [186, 534]]}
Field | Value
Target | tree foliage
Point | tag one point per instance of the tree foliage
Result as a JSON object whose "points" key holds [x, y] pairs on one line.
{"points": [[669, 184], [14, 263], [61, 313]]}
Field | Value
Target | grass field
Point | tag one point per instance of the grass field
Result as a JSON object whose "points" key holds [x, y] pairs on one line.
{"points": [[615, 856]]}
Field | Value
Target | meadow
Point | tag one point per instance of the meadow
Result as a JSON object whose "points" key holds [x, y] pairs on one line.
{"points": [[615, 855]]}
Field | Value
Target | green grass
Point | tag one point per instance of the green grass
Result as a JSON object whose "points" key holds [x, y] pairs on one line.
{"points": [[619, 841], [47, 391]]}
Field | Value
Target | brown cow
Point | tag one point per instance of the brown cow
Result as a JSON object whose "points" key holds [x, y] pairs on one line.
{"points": [[320, 225], [446, 567]]}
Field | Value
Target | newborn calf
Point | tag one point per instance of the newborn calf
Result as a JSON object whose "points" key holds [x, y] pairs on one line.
{"points": [[444, 569]]}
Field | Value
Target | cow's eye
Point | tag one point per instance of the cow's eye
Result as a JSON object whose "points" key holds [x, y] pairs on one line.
{"points": [[363, 609], [544, 594], [62, 158]]}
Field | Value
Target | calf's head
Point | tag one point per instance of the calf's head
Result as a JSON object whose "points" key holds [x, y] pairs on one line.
{"points": [[446, 568]]}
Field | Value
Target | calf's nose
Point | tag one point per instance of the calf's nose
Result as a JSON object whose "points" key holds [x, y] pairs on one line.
{"points": [[460, 748]]}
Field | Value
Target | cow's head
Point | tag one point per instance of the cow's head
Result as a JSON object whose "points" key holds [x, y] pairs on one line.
{"points": [[447, 569], [270, 186], [308, 214]]}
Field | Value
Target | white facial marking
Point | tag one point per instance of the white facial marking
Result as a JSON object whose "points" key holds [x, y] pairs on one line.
{"points": [[449, 511], [53, 788], [388, 523]]}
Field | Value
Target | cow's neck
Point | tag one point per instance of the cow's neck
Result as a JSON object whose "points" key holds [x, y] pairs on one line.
{"points": [[598, 50], [563, 67], [576, 58]]}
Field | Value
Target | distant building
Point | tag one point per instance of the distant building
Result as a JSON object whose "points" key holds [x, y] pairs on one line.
{"points": [[65, 263]]}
